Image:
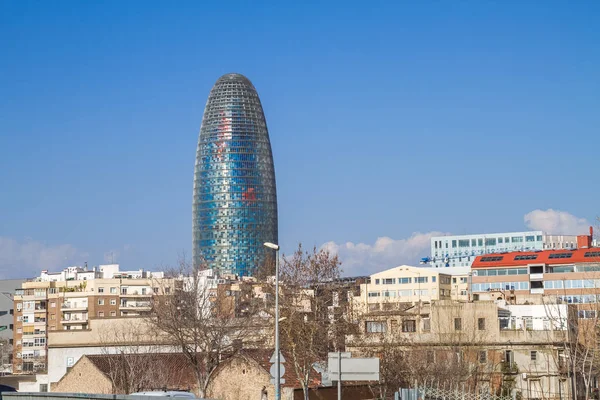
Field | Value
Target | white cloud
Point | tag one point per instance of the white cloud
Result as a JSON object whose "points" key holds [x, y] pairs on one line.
{"points": [[365, 259], [27, 258], [556, 222]]}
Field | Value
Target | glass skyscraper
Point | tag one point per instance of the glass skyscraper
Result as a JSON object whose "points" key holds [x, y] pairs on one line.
{"points": [[235, 197]]}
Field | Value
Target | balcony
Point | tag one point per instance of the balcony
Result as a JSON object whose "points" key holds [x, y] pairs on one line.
{"points": [[537, 291], [75, 321], [531, 336], [536, 277], [138, 305], [73, 307], [135, 294], [35, 333]]}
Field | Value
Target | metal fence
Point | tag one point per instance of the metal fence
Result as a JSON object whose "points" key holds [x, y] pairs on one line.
{"points": [[428, 393]]}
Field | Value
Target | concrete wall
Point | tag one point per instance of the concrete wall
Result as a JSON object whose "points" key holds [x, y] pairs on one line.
{"points": [[41, 381]]}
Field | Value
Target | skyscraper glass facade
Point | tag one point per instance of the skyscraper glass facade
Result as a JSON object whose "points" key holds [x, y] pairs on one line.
{"points": [[235, 197]]}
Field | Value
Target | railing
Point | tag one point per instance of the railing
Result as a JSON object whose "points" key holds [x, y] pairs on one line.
{"points": [[67, 305], [74, 320], [454, 392], [136, 305]]}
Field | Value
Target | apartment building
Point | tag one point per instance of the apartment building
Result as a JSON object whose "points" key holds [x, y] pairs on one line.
{"points": [[406, 284], [482, 347], [67, 300], [7, 292], [569, 276]]}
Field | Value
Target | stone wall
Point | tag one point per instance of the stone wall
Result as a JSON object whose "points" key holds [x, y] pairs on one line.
{"points": [[240, 379], [83, 378]]}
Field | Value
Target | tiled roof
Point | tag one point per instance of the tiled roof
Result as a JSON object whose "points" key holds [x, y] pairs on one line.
{"points": [[164, 370]]}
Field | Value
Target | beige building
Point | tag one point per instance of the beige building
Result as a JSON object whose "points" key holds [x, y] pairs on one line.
{"points": [[405, 284], [485, 346]]}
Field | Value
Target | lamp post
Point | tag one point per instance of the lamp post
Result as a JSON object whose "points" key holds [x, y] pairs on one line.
{"points": [[277, 374]]}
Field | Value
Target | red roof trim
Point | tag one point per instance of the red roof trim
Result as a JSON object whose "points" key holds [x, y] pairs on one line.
{"points": [[543, 257]]}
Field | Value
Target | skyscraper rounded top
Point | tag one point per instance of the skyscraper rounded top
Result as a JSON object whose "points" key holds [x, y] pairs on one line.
{"points": [[233, 76], [235, 198]]}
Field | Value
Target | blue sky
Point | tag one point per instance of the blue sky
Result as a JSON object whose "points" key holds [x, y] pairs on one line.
{"points": [[386, 119]]}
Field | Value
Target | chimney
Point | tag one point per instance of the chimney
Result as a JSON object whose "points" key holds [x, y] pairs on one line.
{"points": [[585, 241]]}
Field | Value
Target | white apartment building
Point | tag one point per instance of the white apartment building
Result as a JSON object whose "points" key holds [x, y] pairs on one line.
{"points": [[461, 250]]}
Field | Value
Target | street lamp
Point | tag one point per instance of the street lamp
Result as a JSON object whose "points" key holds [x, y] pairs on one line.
{"points": [[277, 374]]}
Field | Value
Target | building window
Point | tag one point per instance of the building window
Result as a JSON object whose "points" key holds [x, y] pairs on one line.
{"points": [[155, 290], [376, 282], [409, 325], [453, 280], [113, 290], [113, 302], [52, 317], [52, 304], [421, 279], [454, 244], [113, 313], [404, 281], [430, 355], [100, 302], [168, 289], [483, 356], [490, 241], [457, 324], [386, 281], [101, 314], [530, 238], [376, 326], [426, 324], [433, 279], [481, 324], [533, 355], [100, 290]]}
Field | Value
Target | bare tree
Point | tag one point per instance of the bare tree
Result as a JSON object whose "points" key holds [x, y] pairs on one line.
{"points": [[307, 330], [132, 356], [200, 320]]}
